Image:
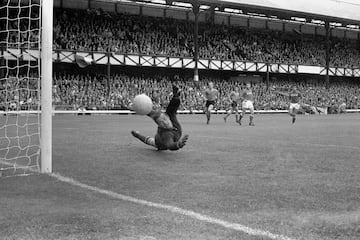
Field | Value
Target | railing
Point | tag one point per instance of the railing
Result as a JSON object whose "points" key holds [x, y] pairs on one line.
{"points": [[112, 58]]}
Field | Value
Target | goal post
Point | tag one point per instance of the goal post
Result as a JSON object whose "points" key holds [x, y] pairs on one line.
{"points": [[46, 85]]}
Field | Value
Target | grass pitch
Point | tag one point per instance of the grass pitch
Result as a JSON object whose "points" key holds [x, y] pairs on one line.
{"points": [[301, 181]]}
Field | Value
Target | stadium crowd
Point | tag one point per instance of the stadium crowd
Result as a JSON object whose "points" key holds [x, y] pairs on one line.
{"points": [[19, 91], [121, 33], [97, 92]]}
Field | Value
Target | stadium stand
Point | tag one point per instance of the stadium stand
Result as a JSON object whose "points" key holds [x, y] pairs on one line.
{"points": [[94, 92], [121, 33], [101, 31]]}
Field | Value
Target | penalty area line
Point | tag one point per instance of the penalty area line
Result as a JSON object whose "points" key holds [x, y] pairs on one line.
{"points": [[204, 218]]}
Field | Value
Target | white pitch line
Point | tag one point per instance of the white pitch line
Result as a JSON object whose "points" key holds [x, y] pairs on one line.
{"points": [[229, 225], [204, 218]]}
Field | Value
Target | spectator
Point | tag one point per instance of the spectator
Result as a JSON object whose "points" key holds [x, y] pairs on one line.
{"points": [[131, 34], [96, 92]]}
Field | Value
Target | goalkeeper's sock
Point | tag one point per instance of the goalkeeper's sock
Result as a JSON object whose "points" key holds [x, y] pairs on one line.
{"points": [[145, 139], [138, 135]]}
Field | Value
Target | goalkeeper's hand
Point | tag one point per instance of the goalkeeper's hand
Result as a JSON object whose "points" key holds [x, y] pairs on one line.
{"points": [[183, 141]]}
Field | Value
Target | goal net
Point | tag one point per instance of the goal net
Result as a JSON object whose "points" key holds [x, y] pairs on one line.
{"points": [[21, 88]]}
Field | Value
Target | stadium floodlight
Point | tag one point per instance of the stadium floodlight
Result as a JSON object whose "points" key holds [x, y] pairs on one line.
{"points": [[353, 26], [319, 22], [335, 24], [231, 10], [181, 4], [163, 2], [256, 14], [26, 87], [204, 7], [298, 19]]}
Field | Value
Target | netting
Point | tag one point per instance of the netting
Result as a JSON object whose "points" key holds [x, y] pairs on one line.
{"points": [[19, 87]]}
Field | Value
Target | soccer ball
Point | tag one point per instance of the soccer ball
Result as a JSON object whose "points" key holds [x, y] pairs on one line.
{"points": [[142, 104]]}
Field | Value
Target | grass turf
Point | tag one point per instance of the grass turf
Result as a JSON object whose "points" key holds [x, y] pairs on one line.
{"points": [[302, 180]]}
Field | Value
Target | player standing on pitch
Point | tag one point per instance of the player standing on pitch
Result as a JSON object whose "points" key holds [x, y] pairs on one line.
{"points": [[234, 98], [211, 95], [168, 136], [247, 103], [294, 97]]}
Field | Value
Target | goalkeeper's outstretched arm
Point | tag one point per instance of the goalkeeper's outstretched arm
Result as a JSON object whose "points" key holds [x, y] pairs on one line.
{"points": [[168, 143], [173, 146]]}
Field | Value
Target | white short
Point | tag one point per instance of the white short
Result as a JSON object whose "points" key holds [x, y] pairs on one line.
{"points": [[247, 104], [294, 106]]}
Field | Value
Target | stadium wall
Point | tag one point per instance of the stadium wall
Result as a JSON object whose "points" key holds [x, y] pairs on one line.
{"points": [[128, 112]]}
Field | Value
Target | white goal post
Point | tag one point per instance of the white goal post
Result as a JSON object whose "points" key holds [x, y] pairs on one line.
{"points": [[46, 85]]}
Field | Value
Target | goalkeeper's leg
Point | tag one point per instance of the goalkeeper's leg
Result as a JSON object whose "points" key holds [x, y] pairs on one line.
{"points": [[172, 108], [145, 139], [174, 102], [168, 120]]}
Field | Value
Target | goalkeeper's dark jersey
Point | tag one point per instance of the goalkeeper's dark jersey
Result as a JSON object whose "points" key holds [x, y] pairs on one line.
{"points": [[163, 135]]}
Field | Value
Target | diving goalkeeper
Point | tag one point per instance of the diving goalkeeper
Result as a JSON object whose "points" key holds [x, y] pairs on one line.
{"points": [[168, 136]]}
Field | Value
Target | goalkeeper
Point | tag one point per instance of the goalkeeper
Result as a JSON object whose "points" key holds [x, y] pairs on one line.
{"points": [[168, 136]]}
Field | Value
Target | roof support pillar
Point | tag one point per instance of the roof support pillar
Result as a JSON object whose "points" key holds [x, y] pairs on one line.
{"points": [[327, 52], [196, 11]]}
